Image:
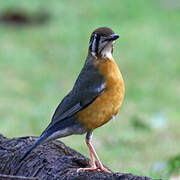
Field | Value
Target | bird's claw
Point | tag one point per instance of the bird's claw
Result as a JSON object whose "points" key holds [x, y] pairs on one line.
{"points": [[99, 168]]}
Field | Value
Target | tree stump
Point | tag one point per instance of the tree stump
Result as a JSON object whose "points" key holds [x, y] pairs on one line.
{"points": [[49, 161]]}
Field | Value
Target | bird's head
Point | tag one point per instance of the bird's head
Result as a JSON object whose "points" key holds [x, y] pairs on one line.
{"points": [[101, 42]]}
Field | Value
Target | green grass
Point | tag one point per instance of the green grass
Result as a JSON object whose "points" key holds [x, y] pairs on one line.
{"points": [[39, 64]]}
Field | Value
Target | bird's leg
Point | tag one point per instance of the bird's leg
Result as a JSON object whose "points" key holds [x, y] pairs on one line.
{"points": [[93, 164], [92, 150], [93, 153]]}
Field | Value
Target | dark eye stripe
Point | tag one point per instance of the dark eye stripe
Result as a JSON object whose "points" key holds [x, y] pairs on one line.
{"points": [[94, 43], [90, 47], [97, 43]]}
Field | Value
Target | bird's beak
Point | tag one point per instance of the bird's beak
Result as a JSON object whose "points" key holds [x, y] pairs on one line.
{"points": [[112, 37]]}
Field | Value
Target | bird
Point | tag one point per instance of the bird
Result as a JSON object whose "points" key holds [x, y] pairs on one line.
{"points": [[95, 98]]}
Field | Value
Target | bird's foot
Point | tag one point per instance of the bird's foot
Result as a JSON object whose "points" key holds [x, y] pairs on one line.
{"points": [[102, 168], [99, 168], [87, 169]]}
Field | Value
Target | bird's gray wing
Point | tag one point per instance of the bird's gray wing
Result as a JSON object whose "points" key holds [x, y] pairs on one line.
{"points": [[89, 85]]}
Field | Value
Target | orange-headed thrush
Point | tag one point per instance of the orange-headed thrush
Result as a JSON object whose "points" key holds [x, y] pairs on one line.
{"points": [[95, 99]]}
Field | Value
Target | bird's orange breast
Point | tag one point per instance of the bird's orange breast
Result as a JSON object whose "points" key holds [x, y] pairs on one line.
{"points": [[109, 102]]}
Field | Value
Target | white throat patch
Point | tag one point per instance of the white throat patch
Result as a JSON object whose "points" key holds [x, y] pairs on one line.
{"points": [[107, 52]]}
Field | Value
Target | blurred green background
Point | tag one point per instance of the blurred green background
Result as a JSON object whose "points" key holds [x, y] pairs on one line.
{"points": [[42, 49]]}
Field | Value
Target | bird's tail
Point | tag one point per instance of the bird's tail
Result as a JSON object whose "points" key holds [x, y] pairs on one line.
{"points": [[49, 131], [36, 143]]}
